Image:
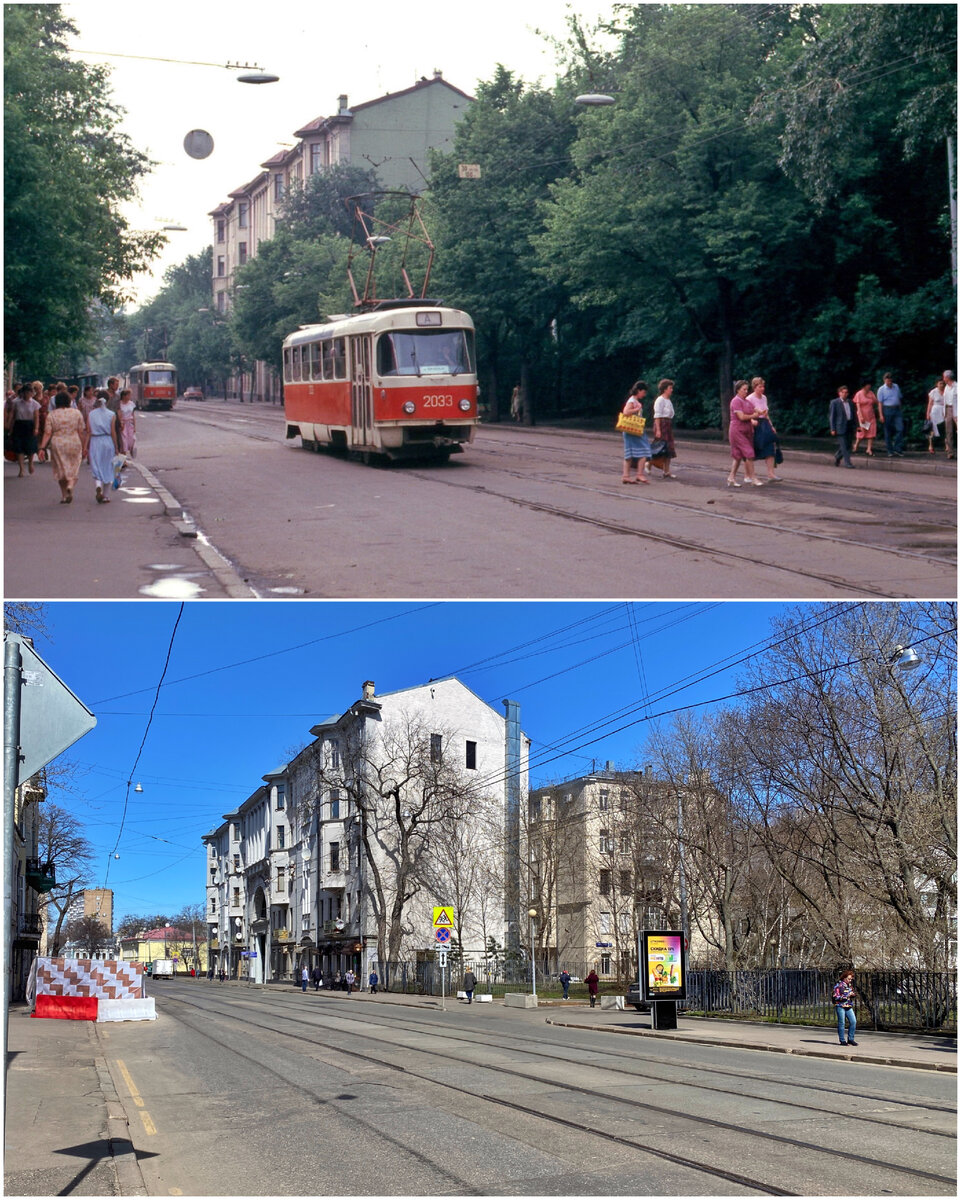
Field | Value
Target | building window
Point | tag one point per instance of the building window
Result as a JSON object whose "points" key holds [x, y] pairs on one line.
{"points": [[625, 883], [281, 879], [603, 801], [279, 186], [625, 801], [605, 883], [243, 253], [281, 795], [335, 806], [242, 210], [624, 922], [333, 754], [605, 841], [471, 756], [236, 862], [221, 229], [605, 964], [221, 266], [236, 900], [213, 906], [316, 157], [624, 843], [213, 873], [221, 302], [281, 837], [436, 747], [605, 923], [335, 856]]}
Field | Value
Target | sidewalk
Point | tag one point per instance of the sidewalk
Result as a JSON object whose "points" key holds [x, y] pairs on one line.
{"points": [[921, 1051], [65, 1131], [138, 544]]}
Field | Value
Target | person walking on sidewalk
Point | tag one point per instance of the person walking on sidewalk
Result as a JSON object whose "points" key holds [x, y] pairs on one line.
{"points": [[66, 435], [565, 978], [372, 982], [843, 419], [101, 447], [303, 978], [470, 982], [350, 979], [890, 399], [844, 1007], [593, 983], [317, 977]]}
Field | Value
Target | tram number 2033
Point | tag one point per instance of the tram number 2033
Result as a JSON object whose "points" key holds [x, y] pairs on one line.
{"points": [[438, 401]]}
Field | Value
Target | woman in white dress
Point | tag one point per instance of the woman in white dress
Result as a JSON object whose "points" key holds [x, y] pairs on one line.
{"points": [[935, 413], [102, 446]]}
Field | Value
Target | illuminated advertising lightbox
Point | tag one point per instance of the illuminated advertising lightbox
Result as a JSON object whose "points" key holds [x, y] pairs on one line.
{"points": [[663, 964]]}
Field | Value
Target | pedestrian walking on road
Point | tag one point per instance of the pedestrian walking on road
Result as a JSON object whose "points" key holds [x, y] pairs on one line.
{"points": [[892, 411], [372, 982], [66, 435], [950, 411], [844, 1007], [593, 983], [101, 447], [844, 423], [740, 435], [23, 426], [765, 435], [317, 978], [470, 982], [934, 414], [664, 429], [350, 979], [565, 978], [637, 446], [869, 415], [303, 978], [126, 414]]}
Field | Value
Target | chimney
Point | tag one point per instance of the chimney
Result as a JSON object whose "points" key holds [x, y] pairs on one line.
{"points": [[342, 105], [438, 74], [369, 689]]}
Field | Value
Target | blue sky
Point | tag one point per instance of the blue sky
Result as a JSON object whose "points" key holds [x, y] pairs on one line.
{"points": [[245, 682]]}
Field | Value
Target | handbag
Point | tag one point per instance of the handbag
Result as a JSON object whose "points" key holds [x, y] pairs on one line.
{"points": [[631, 423], [927, 427], [659, 448], [778, 455]]}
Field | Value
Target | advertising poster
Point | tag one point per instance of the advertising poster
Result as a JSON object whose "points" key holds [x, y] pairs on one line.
{"points": [[663, 964]]}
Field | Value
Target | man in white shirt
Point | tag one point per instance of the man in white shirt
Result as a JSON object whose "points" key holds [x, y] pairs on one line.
{"points": [[950, 407]]}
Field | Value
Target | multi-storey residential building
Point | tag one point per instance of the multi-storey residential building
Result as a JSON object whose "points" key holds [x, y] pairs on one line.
{"points": [[602, 866], [391, 136], [93, 902], [399, 804]]}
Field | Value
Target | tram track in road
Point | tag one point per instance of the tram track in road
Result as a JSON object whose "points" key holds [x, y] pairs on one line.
{"points": [[489, 477], [655, 1112]]}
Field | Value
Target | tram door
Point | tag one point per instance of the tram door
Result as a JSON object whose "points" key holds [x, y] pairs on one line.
{"points": [[361, 396]]}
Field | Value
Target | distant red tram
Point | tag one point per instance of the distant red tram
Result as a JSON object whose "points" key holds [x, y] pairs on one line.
{"points": [[399, 381], [153, 384]]}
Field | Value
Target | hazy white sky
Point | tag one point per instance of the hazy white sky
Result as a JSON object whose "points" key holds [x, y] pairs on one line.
{"points": [[319, 50]]}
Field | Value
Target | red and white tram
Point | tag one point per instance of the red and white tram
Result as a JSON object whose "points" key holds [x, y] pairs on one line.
{"points": [[153, 384], [398, 381]]}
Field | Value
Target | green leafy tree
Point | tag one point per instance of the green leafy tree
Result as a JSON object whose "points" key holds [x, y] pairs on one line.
{"points": [[318, 207], [67, 170], [486, 263]]}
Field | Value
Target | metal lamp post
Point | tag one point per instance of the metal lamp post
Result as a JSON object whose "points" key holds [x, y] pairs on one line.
{"points": [[532, 913]]}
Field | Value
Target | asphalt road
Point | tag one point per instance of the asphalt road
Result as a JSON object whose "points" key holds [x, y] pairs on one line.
{"points": [[522, 513], [250, 1092]]}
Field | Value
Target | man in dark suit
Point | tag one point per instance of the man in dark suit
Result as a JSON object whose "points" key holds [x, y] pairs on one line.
{"points": [[844, 423]]}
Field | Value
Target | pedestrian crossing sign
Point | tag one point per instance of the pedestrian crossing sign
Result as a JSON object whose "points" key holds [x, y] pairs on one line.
{"points": [[443, 918]]}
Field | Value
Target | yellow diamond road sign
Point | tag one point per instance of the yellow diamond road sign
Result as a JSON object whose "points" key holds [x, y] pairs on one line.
{"points": [[443, 918]]}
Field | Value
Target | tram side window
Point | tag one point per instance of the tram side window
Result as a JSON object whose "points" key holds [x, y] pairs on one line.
{"points": [[313, 360], [338, 358], [295, 363], [288, 368]]}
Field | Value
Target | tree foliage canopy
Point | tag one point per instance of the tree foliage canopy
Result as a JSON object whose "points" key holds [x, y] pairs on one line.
{"points": [[67, 169]]}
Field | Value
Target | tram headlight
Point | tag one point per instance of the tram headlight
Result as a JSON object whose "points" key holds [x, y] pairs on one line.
{"points": [[409, 407], [465, 405]]}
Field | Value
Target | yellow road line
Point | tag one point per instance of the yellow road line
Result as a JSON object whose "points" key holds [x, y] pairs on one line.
{"points": [[131, 1086], [148, 1125]]}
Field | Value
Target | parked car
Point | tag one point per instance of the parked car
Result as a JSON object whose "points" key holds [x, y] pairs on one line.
{"points": [[634, 997], [193, 393]]}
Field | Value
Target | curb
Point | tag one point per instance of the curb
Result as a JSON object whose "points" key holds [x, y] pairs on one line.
{"points": [[130, 1181], [862, 1059], [220, 567]]}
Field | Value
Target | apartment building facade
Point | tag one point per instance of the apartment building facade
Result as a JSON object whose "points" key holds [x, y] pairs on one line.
{"points": [[337, 859]]}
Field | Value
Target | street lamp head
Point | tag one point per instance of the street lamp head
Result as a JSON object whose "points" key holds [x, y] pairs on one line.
{"points": [[532, 913], [139, 787], [257, 77], [905, 658], [594, 100]]}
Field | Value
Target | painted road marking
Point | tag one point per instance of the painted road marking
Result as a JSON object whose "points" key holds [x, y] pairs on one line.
{"points": [[148, 1125], [131, 1086]]}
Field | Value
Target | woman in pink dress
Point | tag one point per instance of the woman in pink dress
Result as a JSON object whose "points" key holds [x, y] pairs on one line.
{"points": [[65, 434], [128, 424], [867, 404], [741, 435]]}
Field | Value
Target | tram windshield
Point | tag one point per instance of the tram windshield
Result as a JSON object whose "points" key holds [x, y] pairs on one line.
{"points": [[425, 352], [158, 377]]}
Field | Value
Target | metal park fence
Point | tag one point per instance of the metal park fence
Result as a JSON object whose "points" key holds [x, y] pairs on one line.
{"points": [[892, 999], [896, 999]]}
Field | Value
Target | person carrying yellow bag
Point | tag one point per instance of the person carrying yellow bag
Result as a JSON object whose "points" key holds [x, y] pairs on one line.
{"points": [[637, 447]]}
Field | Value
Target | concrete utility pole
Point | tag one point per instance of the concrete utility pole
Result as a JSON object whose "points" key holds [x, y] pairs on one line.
{"points": [[512, 850], [12, 682]]}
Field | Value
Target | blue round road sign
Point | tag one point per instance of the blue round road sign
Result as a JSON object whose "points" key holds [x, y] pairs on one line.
{"points": [[442, 935]]}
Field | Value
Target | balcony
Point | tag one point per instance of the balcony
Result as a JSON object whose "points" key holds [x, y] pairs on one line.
{"points": [[42, 877], [29, 925]]}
